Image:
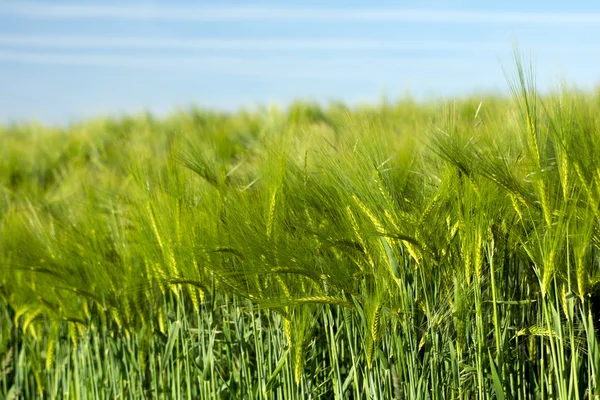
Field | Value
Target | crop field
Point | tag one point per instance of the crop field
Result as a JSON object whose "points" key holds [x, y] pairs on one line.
{"points": [[408, 250]]}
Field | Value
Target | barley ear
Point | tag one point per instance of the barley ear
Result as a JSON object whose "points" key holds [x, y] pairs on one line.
{"points": [[298, 344], [50, 350], [375, 323]]}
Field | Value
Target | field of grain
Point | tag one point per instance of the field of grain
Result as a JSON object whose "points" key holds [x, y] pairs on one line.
{"points": [[411, 250]]}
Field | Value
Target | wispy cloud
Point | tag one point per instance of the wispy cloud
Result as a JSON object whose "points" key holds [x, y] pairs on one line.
{"points": [[276, 67], [111, 60], [145, 43], [245, 45], [278, 13]]}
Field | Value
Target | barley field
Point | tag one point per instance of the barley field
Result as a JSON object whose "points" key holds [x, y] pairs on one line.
{"points": [[408, 250]]}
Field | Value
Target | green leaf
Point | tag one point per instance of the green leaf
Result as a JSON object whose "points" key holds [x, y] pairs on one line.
{"points": [[498, 389]]}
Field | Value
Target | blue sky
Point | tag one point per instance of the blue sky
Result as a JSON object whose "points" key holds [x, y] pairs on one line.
{"points": [[63, 61]]}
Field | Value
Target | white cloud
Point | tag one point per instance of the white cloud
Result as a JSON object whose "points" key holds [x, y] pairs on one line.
{"points": [[351, 69], [276, 67], [103, 42], [245, 46], [279, 13]]}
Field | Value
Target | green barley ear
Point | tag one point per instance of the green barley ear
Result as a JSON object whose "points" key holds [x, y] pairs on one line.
{"points": [[72, 328], [161, 322], [548, 273], [297, 334], [194, 294], [51, 347], [564, 302], [329, 300], [423, 340], [154, 226], [116, 315], [374, 220], [414, 252], [287, 329], [535, 330], [358, 232], [50, 353], [30, 317], [516, 203], [373, 314], [429, 208], [478, 257], [467, 262], [581, 274], [300, 326], [380, 229], [298, 360], [127, 314], [86, 310], [375, 323], [271, 212], [564, 170]]}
